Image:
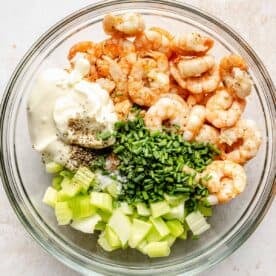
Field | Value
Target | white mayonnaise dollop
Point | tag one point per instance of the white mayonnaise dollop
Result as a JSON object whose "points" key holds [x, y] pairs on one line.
{"points": [[64, 109]]}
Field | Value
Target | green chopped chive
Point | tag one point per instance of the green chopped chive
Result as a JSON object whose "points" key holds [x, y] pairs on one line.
{"points": [[152, 163]]}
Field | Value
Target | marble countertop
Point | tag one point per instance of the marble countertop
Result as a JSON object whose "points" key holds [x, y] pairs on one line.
{"points": [[22, 22]]}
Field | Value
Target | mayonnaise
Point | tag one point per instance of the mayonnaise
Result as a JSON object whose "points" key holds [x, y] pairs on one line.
{"points": [[64, 109]]}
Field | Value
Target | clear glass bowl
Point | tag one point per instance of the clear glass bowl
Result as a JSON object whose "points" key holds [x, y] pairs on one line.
{"points": [[25, 181]]}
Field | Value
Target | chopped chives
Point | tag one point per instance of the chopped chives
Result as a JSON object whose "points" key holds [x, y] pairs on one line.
{"points": [[152, 162]]}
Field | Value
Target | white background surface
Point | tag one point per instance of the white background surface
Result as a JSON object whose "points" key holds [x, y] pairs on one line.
{"points": [[22, 22]]}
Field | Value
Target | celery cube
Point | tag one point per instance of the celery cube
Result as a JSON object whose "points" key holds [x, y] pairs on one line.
{"points": [[50, 197], [159, 209], [83, 178], [81, 207], [139, 230], [175, 200], [63, 213], [142, 209], [170, 239], [157, 249], [112, 237], [70, 188], [53, 167], [160, 226], [126, 208], [176, 212], [153, 235], [176, 228], [101, 200], [197, 223], [121, 225], [103, 242], [86, 225]]}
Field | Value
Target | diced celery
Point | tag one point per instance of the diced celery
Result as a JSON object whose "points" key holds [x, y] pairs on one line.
{"points": [[104, 215], [86, 225], [81, 207], [170, 239], [65, 182], [157, 249], [206, 211], [197, 223], [142, 209], [176, 228], [153, 235], [113, 189], [136, 215], [101, 200], [175, 200], [50, 197], [126, 208], [184, 235], [141, 246], [83, 178], [186, 229], [53, 167], [159, 209], [56, 182], [62, 196], [66, 173], [160, 226], [102, 241], [112, 237], [63, 213], [121, 225], [139, 230], [176, 212], [70, 188], [100, 226]]}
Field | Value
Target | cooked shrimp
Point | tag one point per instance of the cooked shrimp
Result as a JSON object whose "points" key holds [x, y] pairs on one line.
{"points": [[208, 134], [234, 74], [191, 44], [155, 39], [106, 84], [167, 108], [123, 109], [194, 66], [115, 47], [184, 68], [223, 110], [194, 122], [148, 79], [194, 99], [92, 53], [87, 47], [120, 93], [206, 83], [177, 76], [224, 179], [176, 89], [175, 97], [201, 99], [126, 62], [102, 67], [241, 142], [128, 24]]}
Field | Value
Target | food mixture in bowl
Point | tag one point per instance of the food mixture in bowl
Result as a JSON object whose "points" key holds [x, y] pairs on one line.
{"points": [[144, 134]]}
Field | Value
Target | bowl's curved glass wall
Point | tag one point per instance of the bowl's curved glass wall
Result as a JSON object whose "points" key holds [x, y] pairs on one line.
{"points": [[26, 180]]}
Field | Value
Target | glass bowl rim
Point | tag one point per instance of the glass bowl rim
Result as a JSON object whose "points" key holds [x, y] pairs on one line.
{"points": [[63, 256]]}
